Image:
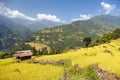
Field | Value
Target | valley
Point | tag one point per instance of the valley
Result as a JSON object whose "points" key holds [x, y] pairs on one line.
{"points": [[59, 40], [83, 57], [73, 34]]}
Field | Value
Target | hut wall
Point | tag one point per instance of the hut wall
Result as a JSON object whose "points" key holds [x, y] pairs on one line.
{"points": [[24, 58]]}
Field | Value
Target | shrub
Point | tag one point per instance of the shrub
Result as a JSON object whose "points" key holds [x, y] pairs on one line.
{"points": [[90, 73], [77, 73]]}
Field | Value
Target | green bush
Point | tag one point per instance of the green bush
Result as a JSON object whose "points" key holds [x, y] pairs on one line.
{"points": [[90, 74], [77, 73]]}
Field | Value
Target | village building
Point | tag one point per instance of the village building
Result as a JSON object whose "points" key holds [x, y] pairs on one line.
{"points": [[23, 55]]}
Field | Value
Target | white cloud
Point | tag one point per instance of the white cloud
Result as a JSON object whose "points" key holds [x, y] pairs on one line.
{"points": [[82, 17], [48, 17], [16, 14], [13, 13], [108, 7]]}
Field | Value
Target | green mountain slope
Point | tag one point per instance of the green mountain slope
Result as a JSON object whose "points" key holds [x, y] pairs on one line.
{"points": [[7, 38], [40, 25], [72, 34], [11, 33], [107, 56]]}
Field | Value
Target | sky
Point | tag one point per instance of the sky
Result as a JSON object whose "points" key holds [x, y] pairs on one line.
{"points": [[58, 10]]}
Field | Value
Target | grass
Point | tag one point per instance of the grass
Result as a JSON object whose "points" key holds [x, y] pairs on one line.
{"points": [[93, 55], [6, 61], [23, 71], [109, 61]]}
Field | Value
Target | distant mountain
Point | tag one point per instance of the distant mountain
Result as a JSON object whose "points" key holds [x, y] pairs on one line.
{"points": [[112, 21], [23, 22], [10, 33], [17, 29], [40, 25], [72, 34], [37, 25], [14, 30], [7, 38]]}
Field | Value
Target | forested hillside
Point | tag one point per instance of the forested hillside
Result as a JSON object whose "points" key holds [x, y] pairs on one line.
{"points": [[7, 38], [58, 38], [10, 33], [78, 65]]}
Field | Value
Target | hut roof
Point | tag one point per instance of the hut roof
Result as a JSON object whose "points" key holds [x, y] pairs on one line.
{"points": [[23, 53]]}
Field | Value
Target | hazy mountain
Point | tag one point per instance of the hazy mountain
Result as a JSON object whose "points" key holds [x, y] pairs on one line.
{"points": [[14, 30], [40, 25], [72, 34], [7, 38], [10, 33], [36, 25], [112, 21], [23, 22], [17, 29]]}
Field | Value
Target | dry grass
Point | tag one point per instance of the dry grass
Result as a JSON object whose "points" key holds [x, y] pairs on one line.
{"points": [[24, 71], [83, 57]]}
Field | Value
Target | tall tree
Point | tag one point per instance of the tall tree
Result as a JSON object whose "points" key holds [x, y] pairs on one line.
{"points": [[44, 50], [87, 41]]}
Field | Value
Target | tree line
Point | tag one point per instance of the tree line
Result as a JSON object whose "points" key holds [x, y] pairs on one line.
{"points": [[107, 37]]}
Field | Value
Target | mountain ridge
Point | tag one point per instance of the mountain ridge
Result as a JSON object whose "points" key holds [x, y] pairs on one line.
{"points": [[73, 34], [18, 29], [37, 24]]}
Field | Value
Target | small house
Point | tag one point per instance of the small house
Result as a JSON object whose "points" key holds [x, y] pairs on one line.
{"points": [[23, 55]]}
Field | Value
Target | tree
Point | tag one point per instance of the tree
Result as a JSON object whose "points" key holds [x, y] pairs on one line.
{"points": [[87, 41], [56, 50], [116, 33], [40, 52], [109, 36], [44, 51], [34, 51]]}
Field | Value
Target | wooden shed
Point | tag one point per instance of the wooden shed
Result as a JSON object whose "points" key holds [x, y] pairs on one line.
{"points": [[23, 55]]}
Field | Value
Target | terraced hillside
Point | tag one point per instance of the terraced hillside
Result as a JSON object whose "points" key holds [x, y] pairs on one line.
{"points": [[38, 46], [107, 56], [72, 34]]}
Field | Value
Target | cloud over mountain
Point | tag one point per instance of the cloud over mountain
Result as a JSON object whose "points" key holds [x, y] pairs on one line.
{"points": [[108, 7], [82, 17], [48, 17], [17, 14], [13, 13]]}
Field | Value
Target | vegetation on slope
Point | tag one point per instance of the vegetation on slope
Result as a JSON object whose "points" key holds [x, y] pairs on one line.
{"points": [[42, 49], [58, 38], [106, 56], [7, 38], [24, 71], [10, 33], [107, 37]]}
